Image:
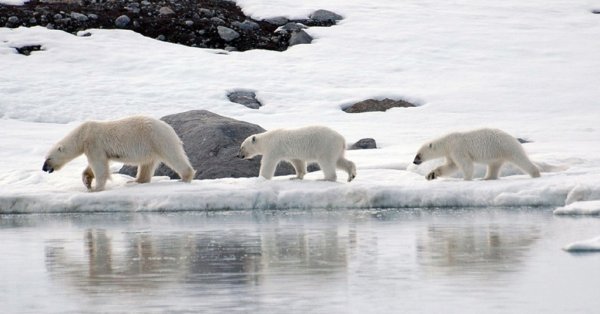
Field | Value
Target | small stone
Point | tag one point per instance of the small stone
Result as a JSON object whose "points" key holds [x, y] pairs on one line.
{"points": [[217, 20], [32, 20], [93, 16], [245, 97], [13, 20], [189, 22], [206, 12], [291, 27], [161, 37], [57, 16], [79, 17], [246, 25], [230, 48], [279, 20], [324, 16], [299, 37], [365, 143], [166, 11], [145, 3], [122, 21], [227, 34], [377, 105]]}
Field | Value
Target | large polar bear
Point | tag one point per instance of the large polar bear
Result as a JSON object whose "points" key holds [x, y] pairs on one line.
{"points": [[133, 140], [489, 146], [299, 146]]}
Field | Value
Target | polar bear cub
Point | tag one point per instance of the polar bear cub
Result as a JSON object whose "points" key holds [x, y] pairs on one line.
{"points": [[136, 140], [299, 146], [488, 146]]}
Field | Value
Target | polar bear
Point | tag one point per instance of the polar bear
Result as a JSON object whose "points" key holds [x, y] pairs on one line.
{"points": [[299, 146], [489, 146], [136, 140]]}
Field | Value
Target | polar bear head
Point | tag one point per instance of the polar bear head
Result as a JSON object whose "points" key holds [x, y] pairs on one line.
{"points": [[429, 151], [64, 151], [250, 147]]}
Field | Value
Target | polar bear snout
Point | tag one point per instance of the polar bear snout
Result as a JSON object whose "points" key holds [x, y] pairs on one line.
{"points": [[417, 160], [47, 167]]}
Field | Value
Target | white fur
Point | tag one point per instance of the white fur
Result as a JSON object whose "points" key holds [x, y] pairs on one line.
{"points": [[300, 146], [488, 146], [136, 140]]}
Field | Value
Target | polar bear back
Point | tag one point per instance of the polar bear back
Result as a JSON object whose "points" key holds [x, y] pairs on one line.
{"points": [[486, 144], [307, 143], [132, 139]]}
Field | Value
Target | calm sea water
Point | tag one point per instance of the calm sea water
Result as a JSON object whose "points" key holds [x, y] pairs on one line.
{"points": [[316, 261]]}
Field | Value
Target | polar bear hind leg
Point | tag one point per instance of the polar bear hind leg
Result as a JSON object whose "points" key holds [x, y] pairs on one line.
{"points": [[300, 167], [328, 168], [526, 165]]}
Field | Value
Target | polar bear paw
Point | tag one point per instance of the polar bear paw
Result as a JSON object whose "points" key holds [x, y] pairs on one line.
{"points": [[432, 175]]}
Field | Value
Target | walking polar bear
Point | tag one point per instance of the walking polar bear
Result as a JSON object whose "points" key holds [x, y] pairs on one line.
{"points": [[489, 146], [136, 140], [299, 146]]}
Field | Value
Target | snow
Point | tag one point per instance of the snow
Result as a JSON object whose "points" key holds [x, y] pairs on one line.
{"points": [[579, 208], [13, 2], [591, 245], [528, 68]]}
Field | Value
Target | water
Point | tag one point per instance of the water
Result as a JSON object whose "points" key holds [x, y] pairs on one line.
{"points": [[355, 261]]}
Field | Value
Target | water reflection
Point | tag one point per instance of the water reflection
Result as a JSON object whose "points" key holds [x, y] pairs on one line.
{"points": [[132, 260], [483, 250]]}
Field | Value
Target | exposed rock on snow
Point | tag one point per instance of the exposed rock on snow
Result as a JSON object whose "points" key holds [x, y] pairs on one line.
{"points": [[325, 16], [299, 37], [244, 97], [365, 143], [26, 50], [591, 245], [212, 143], [377, 105], [188, 22]]}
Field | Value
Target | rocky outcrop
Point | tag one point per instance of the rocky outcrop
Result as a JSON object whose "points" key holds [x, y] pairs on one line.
{"points": [[377, 105]]}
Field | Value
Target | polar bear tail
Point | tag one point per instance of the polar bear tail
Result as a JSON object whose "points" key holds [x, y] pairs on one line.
{"points": [[347, 166]]}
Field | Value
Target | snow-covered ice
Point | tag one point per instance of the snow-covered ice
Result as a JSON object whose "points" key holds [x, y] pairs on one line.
{"points": [[579, 208], [591, 245], [530, 68]]}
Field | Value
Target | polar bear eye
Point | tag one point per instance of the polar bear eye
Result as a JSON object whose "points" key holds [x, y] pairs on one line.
{"points": [[430, 145], [254, 139], [60, 149]]}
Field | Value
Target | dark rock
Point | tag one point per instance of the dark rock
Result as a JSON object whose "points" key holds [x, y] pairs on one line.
{"points": [[278, 21], [291, 27], [365, 143], [299, 37], [122, 21], [523, 140], [596, 11], [246, 25], [325, 16], [166, 11], [212, 143], [79, 17], [26, 50], [227, 34], [377, 105], [246, 98], [188, 22]]}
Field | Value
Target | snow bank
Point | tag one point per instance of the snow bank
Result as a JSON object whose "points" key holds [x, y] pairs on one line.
{"points": [[591, 245], [471, 64], [579, 208]]}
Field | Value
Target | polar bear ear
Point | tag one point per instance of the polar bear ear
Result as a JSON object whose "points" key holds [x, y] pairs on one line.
{"points": [[254, 139]]}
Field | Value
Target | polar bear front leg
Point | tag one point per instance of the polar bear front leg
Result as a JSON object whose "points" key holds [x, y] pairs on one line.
{"points": [[267, 167], [102, 173], [493, 169], [87, 176], [446, 169], [145, 172], [300, 167]]}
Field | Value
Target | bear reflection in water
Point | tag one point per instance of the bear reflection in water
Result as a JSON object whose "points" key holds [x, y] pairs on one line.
{"points": [[480, 249], [136, 261]]}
